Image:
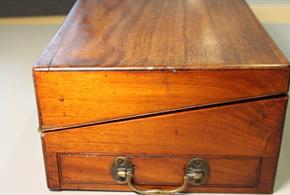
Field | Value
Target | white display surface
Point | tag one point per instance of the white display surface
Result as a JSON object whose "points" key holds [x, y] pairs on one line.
{"points": [[21, 160]]}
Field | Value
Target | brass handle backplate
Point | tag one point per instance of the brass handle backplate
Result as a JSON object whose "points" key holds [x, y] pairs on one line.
{"points": [[196, 173]]}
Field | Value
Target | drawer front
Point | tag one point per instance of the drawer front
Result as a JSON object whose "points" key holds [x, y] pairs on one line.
{"points": [[240, 142], [157, 170]]}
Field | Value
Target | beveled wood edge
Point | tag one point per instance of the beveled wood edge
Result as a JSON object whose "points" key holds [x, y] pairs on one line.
{"points": [[145, 155], [37, 98], [64, 68], [47, 55], [192, 190], [42, 129], [275, 159], [254, 185], [55, 183], [280, 142]]}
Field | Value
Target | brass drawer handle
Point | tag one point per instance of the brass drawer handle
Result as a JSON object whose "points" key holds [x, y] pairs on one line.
{"points": [[196, 173]]}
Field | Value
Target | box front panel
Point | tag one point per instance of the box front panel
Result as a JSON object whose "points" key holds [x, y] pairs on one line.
{"points": [[67, 99], [239, 141]]}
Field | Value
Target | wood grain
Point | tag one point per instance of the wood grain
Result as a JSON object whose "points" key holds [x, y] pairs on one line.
{"points": [[249, 130], [253, 129], [162, 81], [158, 170], [75, 98], [128, 34]]}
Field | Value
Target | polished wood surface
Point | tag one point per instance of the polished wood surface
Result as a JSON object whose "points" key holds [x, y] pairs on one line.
{"points": [[120, 59], [75, 98], [161, 81], [253, 129], [158, 170], [245, 131], [161, 34]]}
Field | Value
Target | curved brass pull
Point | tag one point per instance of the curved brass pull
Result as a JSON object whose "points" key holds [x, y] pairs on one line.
{"points": [[156, 191], [196, 173]]}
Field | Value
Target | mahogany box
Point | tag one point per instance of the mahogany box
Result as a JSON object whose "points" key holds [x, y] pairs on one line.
{"points": [[161, 96]]}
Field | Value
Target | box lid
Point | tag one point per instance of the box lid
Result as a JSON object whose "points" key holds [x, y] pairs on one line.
{"points": [[160, 34], [119, 59]]}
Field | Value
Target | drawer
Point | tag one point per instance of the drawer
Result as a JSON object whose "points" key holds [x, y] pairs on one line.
{"points": [[157, 170], [239, 141]]}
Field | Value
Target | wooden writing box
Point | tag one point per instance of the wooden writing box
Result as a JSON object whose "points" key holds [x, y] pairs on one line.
{"points": [[177, 95]]}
